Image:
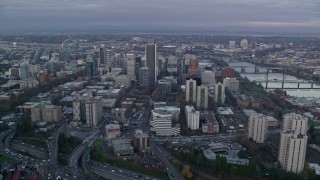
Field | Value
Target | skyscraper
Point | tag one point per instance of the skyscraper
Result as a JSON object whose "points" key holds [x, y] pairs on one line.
{"points": [[151, 61], [91, 66], [130, 59], [102, 54], [24, 71]]}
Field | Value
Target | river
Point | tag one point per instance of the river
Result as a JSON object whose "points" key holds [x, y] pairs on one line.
{"points": [[250, 68]]}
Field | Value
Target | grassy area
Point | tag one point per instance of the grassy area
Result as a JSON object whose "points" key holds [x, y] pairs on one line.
{"points": [[6, 159], [98, 155]]}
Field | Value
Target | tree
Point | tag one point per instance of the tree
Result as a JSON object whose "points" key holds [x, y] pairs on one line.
{"points": [[200, 160], [186, 172]]}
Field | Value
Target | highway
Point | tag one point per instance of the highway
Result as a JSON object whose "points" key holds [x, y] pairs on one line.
{"points": [[114, 173], [53, 144], [172, 172], [8, 138], [77, 153], [37, 152], [3, 136]]}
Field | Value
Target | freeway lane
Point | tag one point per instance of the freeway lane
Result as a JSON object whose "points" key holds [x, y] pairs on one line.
{"points": [[111, 172], [53, 145], [77, 153], [171, 170]]}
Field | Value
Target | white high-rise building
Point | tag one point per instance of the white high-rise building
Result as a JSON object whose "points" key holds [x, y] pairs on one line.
{"points": [[232, 44], [244, 44], [94, 111], [202, 96], [293, 142], [192, 117], [258, 127], [208, 77], [191, 90], [130, 59], [219, 93], [292, 151], [231, 83], [295, 122]]}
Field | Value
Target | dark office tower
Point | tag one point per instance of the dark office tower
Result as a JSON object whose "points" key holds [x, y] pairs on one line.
{"points": [[151, 61], [91, 67], [102, 53], [137, 66]]}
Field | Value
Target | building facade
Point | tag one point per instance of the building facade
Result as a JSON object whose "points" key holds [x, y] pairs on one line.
{"points": [[94, 111], [191, 90], [292, 151], [231, 83], [202, 96], [144, 77], [219, 93], [295, 122], [151, 61], [258, 128], [193, 117]]}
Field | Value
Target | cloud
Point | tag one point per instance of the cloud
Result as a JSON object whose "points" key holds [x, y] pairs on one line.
{"points": [[150, 13]]}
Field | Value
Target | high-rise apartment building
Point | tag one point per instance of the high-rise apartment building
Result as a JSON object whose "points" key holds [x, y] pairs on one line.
{"points": [[94, 111], [258, 127], [231, 83], [219, 93], [191, 90], [293, 142], [295, 122], [208, 77], [151, 61], [292, 151], [193, 117], [202, 96]]}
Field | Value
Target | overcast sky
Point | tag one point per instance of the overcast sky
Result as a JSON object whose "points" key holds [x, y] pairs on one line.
{"points": [[145, 15]]}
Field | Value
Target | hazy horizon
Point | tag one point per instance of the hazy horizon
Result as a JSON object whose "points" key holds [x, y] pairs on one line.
{"points": [[273, 16]]}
